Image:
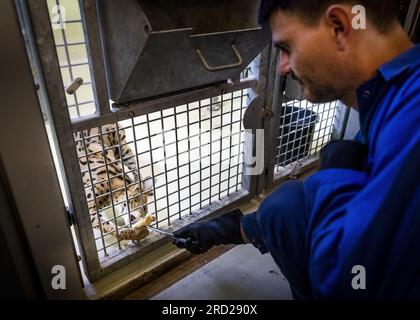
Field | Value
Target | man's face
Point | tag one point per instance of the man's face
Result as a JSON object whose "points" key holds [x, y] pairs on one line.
{"points": [[311, 55]]}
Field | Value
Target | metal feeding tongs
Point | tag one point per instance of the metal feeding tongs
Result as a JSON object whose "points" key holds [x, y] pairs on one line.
{"points": [[184, 242]]}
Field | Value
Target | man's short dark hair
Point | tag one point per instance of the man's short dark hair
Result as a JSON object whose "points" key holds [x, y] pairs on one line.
{"points": [[381, 13]]}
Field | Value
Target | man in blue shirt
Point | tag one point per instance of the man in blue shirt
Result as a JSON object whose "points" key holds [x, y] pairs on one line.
{"points": [[352, 229]]}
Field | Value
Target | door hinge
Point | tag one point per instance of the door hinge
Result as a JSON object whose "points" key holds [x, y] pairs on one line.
{"points": [[70, 216]]}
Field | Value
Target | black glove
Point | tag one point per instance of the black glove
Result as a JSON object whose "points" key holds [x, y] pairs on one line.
{"points": [[346, 154], [201, 236]]}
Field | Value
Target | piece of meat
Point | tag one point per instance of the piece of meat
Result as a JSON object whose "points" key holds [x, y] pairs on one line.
{"points": [[146, 221]]}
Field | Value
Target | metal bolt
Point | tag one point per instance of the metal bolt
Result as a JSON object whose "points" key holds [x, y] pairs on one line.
{"points": [[72, 88], [267, 113]]}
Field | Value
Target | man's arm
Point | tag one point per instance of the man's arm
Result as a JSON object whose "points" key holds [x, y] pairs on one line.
{"points": [[354, 220], [225, 229]]}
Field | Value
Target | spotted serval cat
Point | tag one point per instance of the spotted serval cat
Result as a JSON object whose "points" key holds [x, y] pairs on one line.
{"points": [[102, 166]]}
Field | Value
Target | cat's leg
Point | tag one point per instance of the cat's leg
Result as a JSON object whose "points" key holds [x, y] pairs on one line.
{"points": [[95, 204], [127, 155], [98, 221]]}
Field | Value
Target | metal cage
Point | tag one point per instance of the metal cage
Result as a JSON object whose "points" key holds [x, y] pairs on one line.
{"points": [[180, 157]]}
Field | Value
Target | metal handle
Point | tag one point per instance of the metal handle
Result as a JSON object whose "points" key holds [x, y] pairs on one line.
{"points": [[72, 88], [226, 66]]}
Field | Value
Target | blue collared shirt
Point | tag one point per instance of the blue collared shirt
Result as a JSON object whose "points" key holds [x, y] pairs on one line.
{"points": [[368, 219]]}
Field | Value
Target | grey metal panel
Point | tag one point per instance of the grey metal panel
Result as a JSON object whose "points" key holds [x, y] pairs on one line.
{"points": [[158, 67], [273, 103], [148, 54], [217, 49], [89, 16], [205, 16], [51, 71], [255, 117], [254, 113], [123, 25], [161, 69], [29, 165]]}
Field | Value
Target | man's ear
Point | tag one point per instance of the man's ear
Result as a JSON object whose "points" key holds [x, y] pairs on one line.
{"points": [[339, 19]]}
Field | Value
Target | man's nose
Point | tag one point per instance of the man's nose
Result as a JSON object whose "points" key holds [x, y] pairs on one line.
{"points": [[284, 63]]}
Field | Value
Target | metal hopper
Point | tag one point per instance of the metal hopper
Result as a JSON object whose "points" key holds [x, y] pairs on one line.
{"points": [[156, 47]]}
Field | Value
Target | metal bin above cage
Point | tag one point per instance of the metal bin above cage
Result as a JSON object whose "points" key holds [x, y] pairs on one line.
{"points": [[156, 47]]}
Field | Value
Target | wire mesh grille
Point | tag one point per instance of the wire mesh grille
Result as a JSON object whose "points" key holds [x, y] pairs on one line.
{"points": [[72, 54], [304, 129], [188, 157]]}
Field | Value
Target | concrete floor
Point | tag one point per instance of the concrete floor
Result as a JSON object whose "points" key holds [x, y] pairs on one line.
{"points": [[242, 273]]}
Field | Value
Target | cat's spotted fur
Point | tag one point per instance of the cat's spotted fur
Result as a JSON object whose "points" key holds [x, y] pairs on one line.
{"points": [[101, 166]]}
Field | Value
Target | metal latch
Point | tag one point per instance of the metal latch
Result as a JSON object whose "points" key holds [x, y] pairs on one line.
{"points": [[254, 113], [72, 88]]}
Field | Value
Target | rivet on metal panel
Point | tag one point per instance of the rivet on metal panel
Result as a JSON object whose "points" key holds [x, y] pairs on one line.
{"points": [[267, 113], [131, 114]]}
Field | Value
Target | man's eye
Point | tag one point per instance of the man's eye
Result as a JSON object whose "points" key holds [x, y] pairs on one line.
{"points": [[285, 49]]}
